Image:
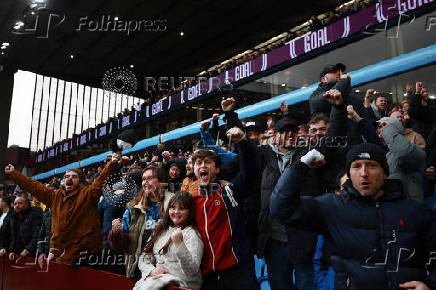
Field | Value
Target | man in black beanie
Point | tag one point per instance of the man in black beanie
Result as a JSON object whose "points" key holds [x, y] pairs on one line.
{"points": [[376, 237]]}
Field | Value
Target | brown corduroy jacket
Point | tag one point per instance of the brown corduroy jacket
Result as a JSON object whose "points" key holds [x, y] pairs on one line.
{"points": [[76, 230]]}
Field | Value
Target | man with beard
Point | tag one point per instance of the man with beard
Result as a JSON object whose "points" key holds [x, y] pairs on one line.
{"points": [[22, 228], [275, 242], [75, 217]]}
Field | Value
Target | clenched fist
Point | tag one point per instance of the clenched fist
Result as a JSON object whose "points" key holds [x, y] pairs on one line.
{"points": [[9, 169], [177, 237], [236, 135], [227, 104], [116, 226], [333, 96]]}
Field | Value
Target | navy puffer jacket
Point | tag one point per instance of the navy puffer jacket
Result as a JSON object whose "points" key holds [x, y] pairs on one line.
{"points": [[373, 244]]}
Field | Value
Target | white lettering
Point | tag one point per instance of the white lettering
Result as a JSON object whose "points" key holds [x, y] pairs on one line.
{"points": [[243, 71], [307, 43]]}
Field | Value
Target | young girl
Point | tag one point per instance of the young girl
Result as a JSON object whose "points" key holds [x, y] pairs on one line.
{"points": [[174, 251]]}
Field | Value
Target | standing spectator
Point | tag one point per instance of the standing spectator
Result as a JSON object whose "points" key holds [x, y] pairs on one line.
{"points": [[23, 228], [44, 238], [228, 258], [409, 133], [5, 206], [75, 217], [406, 160], [376, 109], [368, 228], [190, 183], [143, 213]]}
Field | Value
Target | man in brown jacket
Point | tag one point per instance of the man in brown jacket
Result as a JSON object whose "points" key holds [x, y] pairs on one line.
{"points": [[76, 230]]}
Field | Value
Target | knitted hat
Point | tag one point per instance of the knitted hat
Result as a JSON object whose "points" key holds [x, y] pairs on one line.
{"points": [[367, 151]]}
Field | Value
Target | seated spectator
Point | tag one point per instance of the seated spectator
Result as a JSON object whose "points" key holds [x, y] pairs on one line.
{"points": [[369, 220], [175, 249], [23, 228], [76, 221], [143, 213]]}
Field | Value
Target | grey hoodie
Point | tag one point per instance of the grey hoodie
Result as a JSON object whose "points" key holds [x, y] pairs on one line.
{"points": [[405, 160]]}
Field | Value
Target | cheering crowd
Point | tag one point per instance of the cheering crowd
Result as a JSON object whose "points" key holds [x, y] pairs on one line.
{"points": [[345, 201]]}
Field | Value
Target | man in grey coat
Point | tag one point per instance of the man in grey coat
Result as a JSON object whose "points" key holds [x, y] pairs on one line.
{"points": [[406, 160]]}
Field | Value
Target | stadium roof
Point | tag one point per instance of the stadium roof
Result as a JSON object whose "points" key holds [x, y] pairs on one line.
{"points": [[213, 31]]}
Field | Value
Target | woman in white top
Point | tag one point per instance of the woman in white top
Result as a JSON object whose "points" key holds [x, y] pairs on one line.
{"points": [[174, 251]]}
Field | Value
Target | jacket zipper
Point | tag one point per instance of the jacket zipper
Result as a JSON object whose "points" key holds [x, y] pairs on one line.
{"points": [[207, 233]]}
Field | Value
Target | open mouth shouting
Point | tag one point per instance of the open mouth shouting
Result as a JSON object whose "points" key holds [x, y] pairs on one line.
{"points": [[69, 184], [203, 177]]}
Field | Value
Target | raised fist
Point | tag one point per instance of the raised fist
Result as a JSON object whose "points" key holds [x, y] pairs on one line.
{"points": [[9, 169], [228, 104], [333, 96], [205, 125], [235, 134]]}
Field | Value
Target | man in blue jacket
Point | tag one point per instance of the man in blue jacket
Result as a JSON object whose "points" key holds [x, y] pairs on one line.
{"points": [[377, 238]]}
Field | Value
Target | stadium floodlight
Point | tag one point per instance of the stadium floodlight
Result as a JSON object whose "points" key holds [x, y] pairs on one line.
{"points": [[357, 91], [6, 44], [132, 66], [71, 56], [18, 25], [182, 33]]}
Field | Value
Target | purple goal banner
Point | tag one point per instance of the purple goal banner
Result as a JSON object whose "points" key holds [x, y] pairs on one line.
{"points": [[360, 21]]}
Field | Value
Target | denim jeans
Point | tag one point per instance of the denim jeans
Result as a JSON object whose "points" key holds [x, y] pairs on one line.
{"points": [[304, 277], [279, 265]]}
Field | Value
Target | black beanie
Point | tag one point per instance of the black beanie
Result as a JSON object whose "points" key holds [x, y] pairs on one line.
{"points": [[367, 151]]}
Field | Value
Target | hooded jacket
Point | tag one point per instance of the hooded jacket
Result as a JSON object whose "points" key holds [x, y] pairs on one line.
{"points": [[76, 230], [373, 244], [405, 160]]}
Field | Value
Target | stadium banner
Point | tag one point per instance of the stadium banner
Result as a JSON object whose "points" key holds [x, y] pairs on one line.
{"points": [[362, 21], [383, 69]]}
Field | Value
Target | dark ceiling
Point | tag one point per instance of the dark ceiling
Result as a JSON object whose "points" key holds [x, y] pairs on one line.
{"points": [[213, 32]]}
